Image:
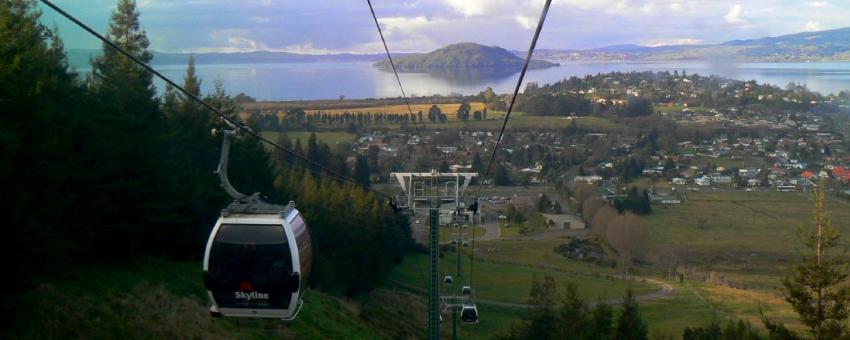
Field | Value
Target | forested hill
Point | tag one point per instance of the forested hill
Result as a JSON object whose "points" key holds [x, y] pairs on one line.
{"points": [[463, 55], [821, 45]]}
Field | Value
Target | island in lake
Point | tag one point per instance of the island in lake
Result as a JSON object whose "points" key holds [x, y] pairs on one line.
{"points": [[463, 56]]}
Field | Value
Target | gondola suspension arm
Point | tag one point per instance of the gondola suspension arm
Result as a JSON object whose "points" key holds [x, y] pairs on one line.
{"points": [[223, 162]]}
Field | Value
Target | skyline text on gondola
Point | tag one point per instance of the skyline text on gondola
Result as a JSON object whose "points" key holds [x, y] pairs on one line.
{"points": [[251, 296]]}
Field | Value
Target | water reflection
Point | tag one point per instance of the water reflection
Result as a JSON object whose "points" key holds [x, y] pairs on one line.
{"points": [[361, 80]]}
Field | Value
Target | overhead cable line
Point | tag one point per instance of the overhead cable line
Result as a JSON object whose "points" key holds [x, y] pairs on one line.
{"points": [[229, 120], [507, 117], [397, 78]]}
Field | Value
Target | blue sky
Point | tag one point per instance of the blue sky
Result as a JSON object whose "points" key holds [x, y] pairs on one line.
{"points": [[331, 26]]}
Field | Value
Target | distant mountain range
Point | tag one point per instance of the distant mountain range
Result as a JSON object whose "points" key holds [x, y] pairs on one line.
{"points": [[463, 56], [80, 57], [807, 46]]}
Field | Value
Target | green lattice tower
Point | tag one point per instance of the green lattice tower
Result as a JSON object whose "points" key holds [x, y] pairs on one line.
{"points": [[433, 287]]}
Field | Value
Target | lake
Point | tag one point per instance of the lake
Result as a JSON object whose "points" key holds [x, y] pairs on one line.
{"points": [[356, 80]]}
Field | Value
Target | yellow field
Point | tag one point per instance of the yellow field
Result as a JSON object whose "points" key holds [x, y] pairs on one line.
{"points": [[449, 110]]}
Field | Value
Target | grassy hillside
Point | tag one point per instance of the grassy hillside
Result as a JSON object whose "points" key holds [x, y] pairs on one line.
{"points": [[158, 299]]}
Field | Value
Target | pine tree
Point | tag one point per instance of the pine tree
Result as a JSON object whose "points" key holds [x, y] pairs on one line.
{"points": [[477, 165], [361, 171], [817, 288], [575, 318], [39, 129], [463, 111], [630, 325]]}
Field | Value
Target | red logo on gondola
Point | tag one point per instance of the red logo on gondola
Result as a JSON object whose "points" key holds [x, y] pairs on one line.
{"points": [[246, 286]]}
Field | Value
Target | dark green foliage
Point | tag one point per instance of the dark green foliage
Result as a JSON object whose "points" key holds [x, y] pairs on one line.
{"points": [[501, 176], [636, 201], [817, 287], [740, 330], [444, 166], [103, 171], [555, 105], [637, 106], [569, 317], [477, 165], [434, 113], [463, 111], [630, 325], [543, 203], [361, 171]]}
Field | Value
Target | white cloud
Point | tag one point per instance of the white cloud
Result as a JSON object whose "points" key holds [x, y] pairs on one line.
{"points": [[526, 22], [813, 26], [818, 4], [469, 7], [675, 41], [735, 16]]}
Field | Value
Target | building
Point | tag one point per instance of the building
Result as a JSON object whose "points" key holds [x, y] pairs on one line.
{"points": [[587, 179], [564, 222]]}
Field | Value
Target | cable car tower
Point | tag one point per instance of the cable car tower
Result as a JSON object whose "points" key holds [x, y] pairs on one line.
{"points": [[435, 189]]}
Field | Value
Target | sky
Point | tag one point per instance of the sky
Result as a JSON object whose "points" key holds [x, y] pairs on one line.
{"points": [[337, 26]]}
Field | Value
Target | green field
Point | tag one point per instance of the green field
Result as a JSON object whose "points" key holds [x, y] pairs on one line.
{"points": [[328, 137], [737, 246], [741, 227], [510, 283]]}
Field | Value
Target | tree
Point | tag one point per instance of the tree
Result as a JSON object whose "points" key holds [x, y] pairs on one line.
{"points": [[501, 175], [630, 325], [434, 113], [817, 288], [444, 166], [361, 171], [541, 321], [488, 95], [575, 315], [38, 93], [463, 111], [477, 165], [543, 203]]}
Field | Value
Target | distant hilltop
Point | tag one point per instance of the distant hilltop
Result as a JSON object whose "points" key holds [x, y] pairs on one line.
{"points": [[463, 56], [806, 46]]}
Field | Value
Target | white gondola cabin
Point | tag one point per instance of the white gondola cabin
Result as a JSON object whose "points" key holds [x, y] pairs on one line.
{"points": [[258, 255], [257, 264]]}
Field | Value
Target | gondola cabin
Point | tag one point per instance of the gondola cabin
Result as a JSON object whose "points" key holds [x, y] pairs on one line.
{"points": [[257, 261]]}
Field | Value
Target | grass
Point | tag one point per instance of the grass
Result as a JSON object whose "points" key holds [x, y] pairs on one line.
{"points": [[328, 137], [737, 246], [698, 304], [511, 282], [162, 299], [738, 224]]}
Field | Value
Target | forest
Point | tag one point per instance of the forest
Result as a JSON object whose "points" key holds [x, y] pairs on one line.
{"points": [[101, 170]]}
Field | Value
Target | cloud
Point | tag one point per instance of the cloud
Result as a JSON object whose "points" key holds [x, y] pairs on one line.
{"points": [[818, 4], [675, 41], [735, 15], [813, 26]]}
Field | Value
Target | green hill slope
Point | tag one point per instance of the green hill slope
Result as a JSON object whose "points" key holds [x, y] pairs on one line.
{"points": [[158, 299]]}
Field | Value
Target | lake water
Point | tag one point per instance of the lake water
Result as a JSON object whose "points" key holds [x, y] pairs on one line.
{"points": [[357, 80]]}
